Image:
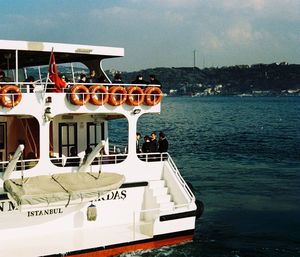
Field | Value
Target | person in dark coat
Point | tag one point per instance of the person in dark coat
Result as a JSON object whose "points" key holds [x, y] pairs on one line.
{"points": [[153, 80], [118, 78], [74, 160], [93, 78], [163, 143], [139, 80], [153, 143], [82, 78], [146, 144]]}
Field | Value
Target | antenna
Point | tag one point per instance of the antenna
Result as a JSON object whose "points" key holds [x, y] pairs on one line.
{"points": [[194, 58]]}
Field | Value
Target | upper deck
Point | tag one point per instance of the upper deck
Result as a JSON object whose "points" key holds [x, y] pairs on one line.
{"points": [[47, 116], [19, 58]]}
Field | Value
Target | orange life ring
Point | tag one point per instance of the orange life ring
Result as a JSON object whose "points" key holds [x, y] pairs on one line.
{"points": [[79, 95], [153, 95], [14, 98], [99, 95], [117, 95], [135, 96]]}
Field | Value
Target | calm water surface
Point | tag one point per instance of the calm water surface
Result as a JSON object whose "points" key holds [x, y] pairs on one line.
{"points": [[243, 157]]}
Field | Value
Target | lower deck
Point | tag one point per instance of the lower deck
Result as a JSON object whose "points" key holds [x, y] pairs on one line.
{"points": [[134, 217]]}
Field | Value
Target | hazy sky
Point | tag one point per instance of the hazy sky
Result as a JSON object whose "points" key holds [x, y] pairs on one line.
{"points": [[163, 33]]}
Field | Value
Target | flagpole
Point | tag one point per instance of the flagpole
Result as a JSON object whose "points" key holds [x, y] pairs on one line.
{"points": [[48, 73]]}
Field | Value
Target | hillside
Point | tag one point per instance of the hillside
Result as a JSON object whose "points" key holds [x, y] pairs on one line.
{"points": [[259, 79], [270, 79]]}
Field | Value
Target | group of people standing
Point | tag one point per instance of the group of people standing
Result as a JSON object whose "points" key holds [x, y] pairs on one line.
{"points": [[138, 80], [151, 144]]}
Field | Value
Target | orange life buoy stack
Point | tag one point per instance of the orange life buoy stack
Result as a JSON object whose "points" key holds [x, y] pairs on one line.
{"points": [[99, 95], [135, 96], [10, 96], [79, 95], [153, 95], [117, 95]]}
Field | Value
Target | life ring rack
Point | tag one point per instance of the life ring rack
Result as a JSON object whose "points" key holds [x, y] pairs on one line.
{"points": [[117, 95], [98, 95], [153, 95], [135, 96], [14, 92], [79, 95]]}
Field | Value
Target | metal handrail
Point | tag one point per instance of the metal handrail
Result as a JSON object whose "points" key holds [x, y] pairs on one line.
{"points": [[180, 178], [24, 85], [21, 164]]}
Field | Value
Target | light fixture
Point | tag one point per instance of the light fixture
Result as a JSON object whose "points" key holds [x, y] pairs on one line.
{"points": [[136, 111], [47, 114], [49, 99]]}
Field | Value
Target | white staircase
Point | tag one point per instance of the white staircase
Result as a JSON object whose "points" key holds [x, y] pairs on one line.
{"points": [[161, 196], [157, 202]]}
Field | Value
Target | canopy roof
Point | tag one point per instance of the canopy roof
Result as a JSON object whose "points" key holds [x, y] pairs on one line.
{"points": [[38, 53]]}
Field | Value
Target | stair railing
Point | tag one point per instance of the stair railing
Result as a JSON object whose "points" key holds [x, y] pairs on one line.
{"points": [[175, 170]]}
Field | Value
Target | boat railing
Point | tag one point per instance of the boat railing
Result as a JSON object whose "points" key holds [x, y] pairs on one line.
{"points": [[117, 149], [76, 161], [29, 87], [176, 172], [153, 157], [117, 154], [83, 94], [21, 164]]}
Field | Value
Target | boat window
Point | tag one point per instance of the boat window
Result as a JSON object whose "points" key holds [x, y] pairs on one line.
{"points": [[14, 131], [95, 133], [118, 136], [78, 135]]}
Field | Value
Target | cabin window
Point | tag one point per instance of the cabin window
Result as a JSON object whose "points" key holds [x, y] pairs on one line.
{"points": [[67, 138], [95, 133]]}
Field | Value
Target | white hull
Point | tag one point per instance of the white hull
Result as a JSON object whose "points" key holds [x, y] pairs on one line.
{"points": [[152, 208]]}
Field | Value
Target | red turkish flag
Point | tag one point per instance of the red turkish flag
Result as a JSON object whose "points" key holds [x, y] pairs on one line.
{"points": [[53, 75]]}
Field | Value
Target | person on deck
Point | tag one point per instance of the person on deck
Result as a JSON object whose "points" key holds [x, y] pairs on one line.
{"points": [[118, 79], [82, 78], [153, 142], [146, 144], [75, 159], [93, 78], [163, 143], [3, 78], [138, 143], [139, 80], [153, 80]]}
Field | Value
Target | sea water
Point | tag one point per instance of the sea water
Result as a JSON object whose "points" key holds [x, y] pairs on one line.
{"points": [[242, 155]]}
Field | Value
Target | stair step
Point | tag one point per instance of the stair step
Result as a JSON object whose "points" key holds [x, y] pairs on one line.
{"points": [[160, 191], [166, 206], [163, 198], [156, 183]]}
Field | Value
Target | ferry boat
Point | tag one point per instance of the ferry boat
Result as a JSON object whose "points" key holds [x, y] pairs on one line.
{"points": [[66, 187]]}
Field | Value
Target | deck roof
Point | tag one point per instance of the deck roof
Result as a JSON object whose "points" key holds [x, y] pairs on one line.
{"points": [[37, 53]]}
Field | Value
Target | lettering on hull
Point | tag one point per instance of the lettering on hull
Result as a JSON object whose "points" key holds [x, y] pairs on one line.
{"points": [[114, 195], [8, 206], [44, 212]]}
